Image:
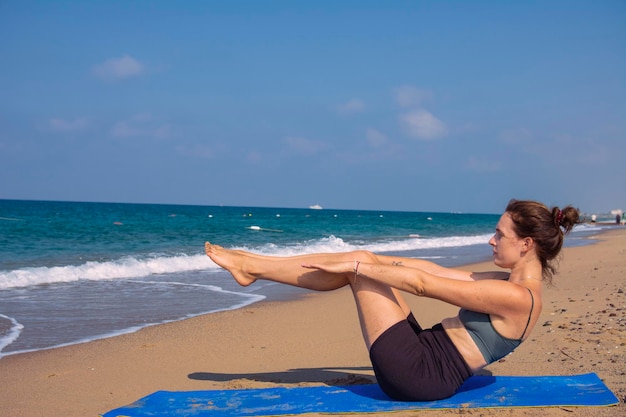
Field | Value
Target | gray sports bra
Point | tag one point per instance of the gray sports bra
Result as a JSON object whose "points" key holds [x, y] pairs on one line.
{"points": [[491, 344]]}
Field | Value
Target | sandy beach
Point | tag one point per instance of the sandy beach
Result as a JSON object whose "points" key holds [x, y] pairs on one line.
{"points": [[316, 340]]}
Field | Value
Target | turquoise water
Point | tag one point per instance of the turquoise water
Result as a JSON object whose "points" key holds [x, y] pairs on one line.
{"points": [[73, 272]]}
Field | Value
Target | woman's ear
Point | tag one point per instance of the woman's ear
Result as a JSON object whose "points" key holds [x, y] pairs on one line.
{"points": [[528, 243]]}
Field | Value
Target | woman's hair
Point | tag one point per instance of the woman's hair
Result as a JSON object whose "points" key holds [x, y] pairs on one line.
{"points": [[547, 227]]}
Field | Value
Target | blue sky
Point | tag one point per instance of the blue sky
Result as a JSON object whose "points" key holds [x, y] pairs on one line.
{"points": [[397, 105]]}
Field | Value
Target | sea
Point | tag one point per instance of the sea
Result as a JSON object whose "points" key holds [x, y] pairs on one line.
{"points": [[72, 272]]}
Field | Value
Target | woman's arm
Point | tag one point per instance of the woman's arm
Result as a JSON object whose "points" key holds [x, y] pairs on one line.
{"points": [[490, 296], [441, 271]]}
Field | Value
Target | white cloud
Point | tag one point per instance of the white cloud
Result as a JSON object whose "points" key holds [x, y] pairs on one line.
{"points": [[163, 132], [483, 164], [423, 125], [254, 156], [516, 136], [552, 147], [579, 150], [595, 154], [375, 138], [304, 146], [140, 125], [142, 117], [196, 151], [61, 125], [351, 107], [407, 96], [115, 69], [124, 130]]}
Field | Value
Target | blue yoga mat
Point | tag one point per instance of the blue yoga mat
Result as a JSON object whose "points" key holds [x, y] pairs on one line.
{"points": [[477, 392]]}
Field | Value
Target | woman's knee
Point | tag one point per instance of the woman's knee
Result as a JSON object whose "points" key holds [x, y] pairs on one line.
{"points": [[364, 256]]}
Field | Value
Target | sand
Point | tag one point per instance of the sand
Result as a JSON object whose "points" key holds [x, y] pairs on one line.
{"points": [[316, 340]]}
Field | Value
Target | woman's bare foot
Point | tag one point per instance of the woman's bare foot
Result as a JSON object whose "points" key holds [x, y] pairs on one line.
{"points": [[232, 261]]}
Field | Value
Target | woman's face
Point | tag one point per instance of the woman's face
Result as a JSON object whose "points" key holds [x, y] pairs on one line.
{"points": [[507, 246]]}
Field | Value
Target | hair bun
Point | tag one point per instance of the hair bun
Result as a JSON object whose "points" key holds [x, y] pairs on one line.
{"points": [[559, 218], [566, 218]]}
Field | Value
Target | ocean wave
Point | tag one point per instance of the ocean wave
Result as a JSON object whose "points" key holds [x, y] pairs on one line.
{"points": [[127, 267], [589, 227], [13, 331], [11, 334], [134, 267], [404, 244]]}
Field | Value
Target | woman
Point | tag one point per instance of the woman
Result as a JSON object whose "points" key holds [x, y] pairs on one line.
{"points": [[498, 309]]}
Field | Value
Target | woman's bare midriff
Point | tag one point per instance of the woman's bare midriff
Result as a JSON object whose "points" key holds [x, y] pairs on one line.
{"points": [[464, 343]]}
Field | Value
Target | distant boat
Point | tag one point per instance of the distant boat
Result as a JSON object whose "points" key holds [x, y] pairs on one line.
{"points": [[315, 207]]}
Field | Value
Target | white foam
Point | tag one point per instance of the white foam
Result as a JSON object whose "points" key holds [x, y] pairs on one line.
{"points": [[16, 328], [588, 227], [128, 267], [12, 334], [335, 244]]}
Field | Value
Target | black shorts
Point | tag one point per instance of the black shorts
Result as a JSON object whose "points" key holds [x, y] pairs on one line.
{"points": [[412, 364]]}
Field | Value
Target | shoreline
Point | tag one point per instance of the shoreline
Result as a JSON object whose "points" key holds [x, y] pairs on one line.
{"points": [[466, 255], [315, 339]]}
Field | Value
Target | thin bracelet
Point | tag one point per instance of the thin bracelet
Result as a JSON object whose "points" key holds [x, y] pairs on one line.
{"points": [[356, 269]]}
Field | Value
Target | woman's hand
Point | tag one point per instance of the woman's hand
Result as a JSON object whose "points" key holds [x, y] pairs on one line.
{"points": [[333, 267]]}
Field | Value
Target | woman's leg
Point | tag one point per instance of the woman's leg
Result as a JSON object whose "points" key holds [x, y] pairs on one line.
{"points": [[379, 306], [247, 267]]}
